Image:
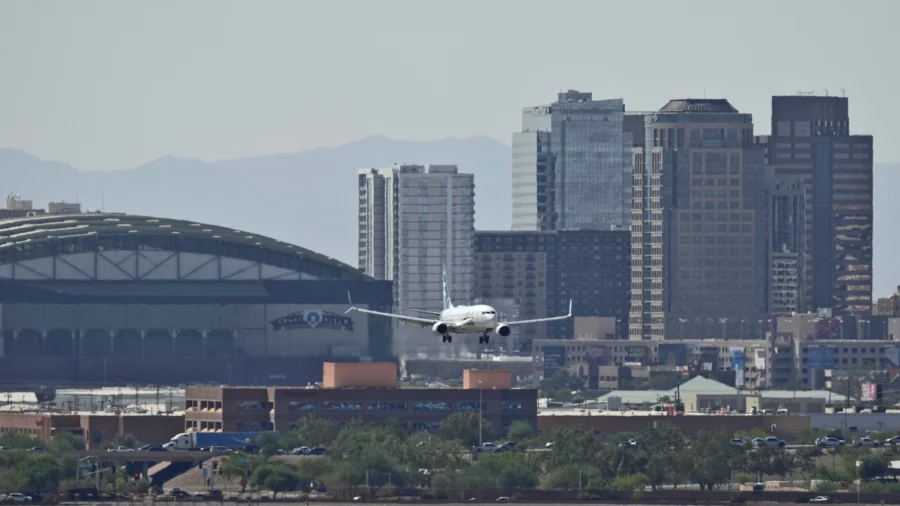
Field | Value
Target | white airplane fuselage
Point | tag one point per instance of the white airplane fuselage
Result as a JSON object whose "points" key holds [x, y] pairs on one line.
{"points": [[479, 319]]}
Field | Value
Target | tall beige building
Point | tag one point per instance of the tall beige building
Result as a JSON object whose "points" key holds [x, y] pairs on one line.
{"points": [[698, 235]]}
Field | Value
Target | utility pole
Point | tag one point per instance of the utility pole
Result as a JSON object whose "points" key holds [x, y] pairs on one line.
{"points": [[480, 412]]}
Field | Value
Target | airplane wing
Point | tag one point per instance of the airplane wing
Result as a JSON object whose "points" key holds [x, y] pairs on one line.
{"points": [[422, 311], [539, 320], [408, 319]]}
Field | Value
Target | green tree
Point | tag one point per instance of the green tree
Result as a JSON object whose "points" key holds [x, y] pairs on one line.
{"points": [[571, 446], [426, 451], [714, 459], [276, 477], [313, 431], [631, 483], [372, 466], [66, 442], [267, 443], [574, 477], [871, 466], [661, 444], [17, 441], [356, 438], [519, 431], [38, 473], [502, 470], [239, 466], [463, 427]]}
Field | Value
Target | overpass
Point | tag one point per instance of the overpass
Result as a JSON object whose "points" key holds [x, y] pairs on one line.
{"points": [[139, 456]]}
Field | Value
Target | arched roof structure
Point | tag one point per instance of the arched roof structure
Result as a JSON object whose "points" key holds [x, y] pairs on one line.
{"points": [[114, 246]]}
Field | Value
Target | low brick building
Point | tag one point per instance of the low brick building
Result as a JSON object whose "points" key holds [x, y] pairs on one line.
{"points": [[96, 429]]}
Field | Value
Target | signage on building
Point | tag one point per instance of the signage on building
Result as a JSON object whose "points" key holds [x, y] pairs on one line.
{"points": [[312, 319], [869, 392], [554, 360], [636, 353]]}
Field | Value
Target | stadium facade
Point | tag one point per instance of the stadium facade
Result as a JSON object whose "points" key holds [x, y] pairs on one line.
{"points": [[116, 298]]}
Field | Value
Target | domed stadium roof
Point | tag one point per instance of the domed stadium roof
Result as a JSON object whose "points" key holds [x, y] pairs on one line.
{"points": [[699, 105], [24, 241]]}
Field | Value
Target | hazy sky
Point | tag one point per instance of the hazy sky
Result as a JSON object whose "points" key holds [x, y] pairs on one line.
{"points": [[112, 84]]}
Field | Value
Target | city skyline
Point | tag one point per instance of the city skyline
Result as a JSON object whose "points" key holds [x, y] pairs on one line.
{"points": [[232, 80]]}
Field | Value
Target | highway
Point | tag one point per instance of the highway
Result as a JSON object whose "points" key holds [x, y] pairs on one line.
{"points": [[137, 456]]}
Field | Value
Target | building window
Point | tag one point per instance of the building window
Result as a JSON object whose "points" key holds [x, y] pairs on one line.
{"points": [[511, 406], [343, 406], [301, 407], [388, 406], [431, 406]]}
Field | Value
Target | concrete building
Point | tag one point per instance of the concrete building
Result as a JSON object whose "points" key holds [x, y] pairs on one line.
{"points": [[698, 229], [821, 207], [572, 165], [247, 408], [117, 298], [415, 221], [747, 359], [543, 270], [889, 306]]}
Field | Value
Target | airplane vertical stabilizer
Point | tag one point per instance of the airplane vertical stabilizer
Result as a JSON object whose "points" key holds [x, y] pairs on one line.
{"points": [[447, 303]]}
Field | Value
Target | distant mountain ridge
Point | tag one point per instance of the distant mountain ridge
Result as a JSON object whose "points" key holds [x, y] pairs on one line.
{"points": [[309, 198]]}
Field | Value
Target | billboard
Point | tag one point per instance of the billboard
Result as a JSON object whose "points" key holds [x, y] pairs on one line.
{"points": [[554, 360], [677, 354], [737, 365], [636, 354], [596, 355], [869, 392]]}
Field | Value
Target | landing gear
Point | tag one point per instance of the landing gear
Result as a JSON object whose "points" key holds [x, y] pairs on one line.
{"points": [[446, 338], [485, 339]]}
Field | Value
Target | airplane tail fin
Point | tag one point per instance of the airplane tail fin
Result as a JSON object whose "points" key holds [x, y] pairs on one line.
{"points": [[447, 303]]}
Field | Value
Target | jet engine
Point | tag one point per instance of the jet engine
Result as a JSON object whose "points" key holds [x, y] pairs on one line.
{"points": [[503, 330], [440, 328]]}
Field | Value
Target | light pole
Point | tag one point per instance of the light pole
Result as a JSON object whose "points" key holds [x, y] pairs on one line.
{"points": [[480, 411]]}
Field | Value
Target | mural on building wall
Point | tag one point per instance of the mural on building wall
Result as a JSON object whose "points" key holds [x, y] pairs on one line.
{"points": [[737, 365]]}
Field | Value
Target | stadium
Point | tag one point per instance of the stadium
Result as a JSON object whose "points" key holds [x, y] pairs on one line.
{"points": [[108, 298]]}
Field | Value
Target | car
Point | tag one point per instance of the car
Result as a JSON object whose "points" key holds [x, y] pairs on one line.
{"points": [[151, 448], [738, 441], [218, 449], [487, 447], [866, 441], [631, 443], [17, 497], [892, 441], [120, 449], [303, 450], [830, 442], [769, 441], [37, 449], [318, 450], [820, 498]]}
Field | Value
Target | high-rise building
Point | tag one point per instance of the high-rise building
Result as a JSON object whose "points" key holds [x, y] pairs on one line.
{"points": [[414, 222], [542, 271], [698, 262], [572, 165], [821, 207]]}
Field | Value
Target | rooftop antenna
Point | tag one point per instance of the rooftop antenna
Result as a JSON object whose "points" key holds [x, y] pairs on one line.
{"points": [[704, 92], [842, 92], [101, 202], [826, 93]]}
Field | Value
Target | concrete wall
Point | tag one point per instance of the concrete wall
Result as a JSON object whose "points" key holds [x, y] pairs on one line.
{"points": [[862, 422], [787, 427], [486, 379], [362, 374]]}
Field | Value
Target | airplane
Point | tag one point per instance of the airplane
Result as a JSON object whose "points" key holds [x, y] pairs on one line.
{"points": [[478, 319]]}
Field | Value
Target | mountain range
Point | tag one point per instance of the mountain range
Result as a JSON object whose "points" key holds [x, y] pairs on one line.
{"points": [[309, 198]]}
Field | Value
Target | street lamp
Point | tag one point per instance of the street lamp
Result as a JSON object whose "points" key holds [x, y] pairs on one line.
{"points": [[480, 411]]}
